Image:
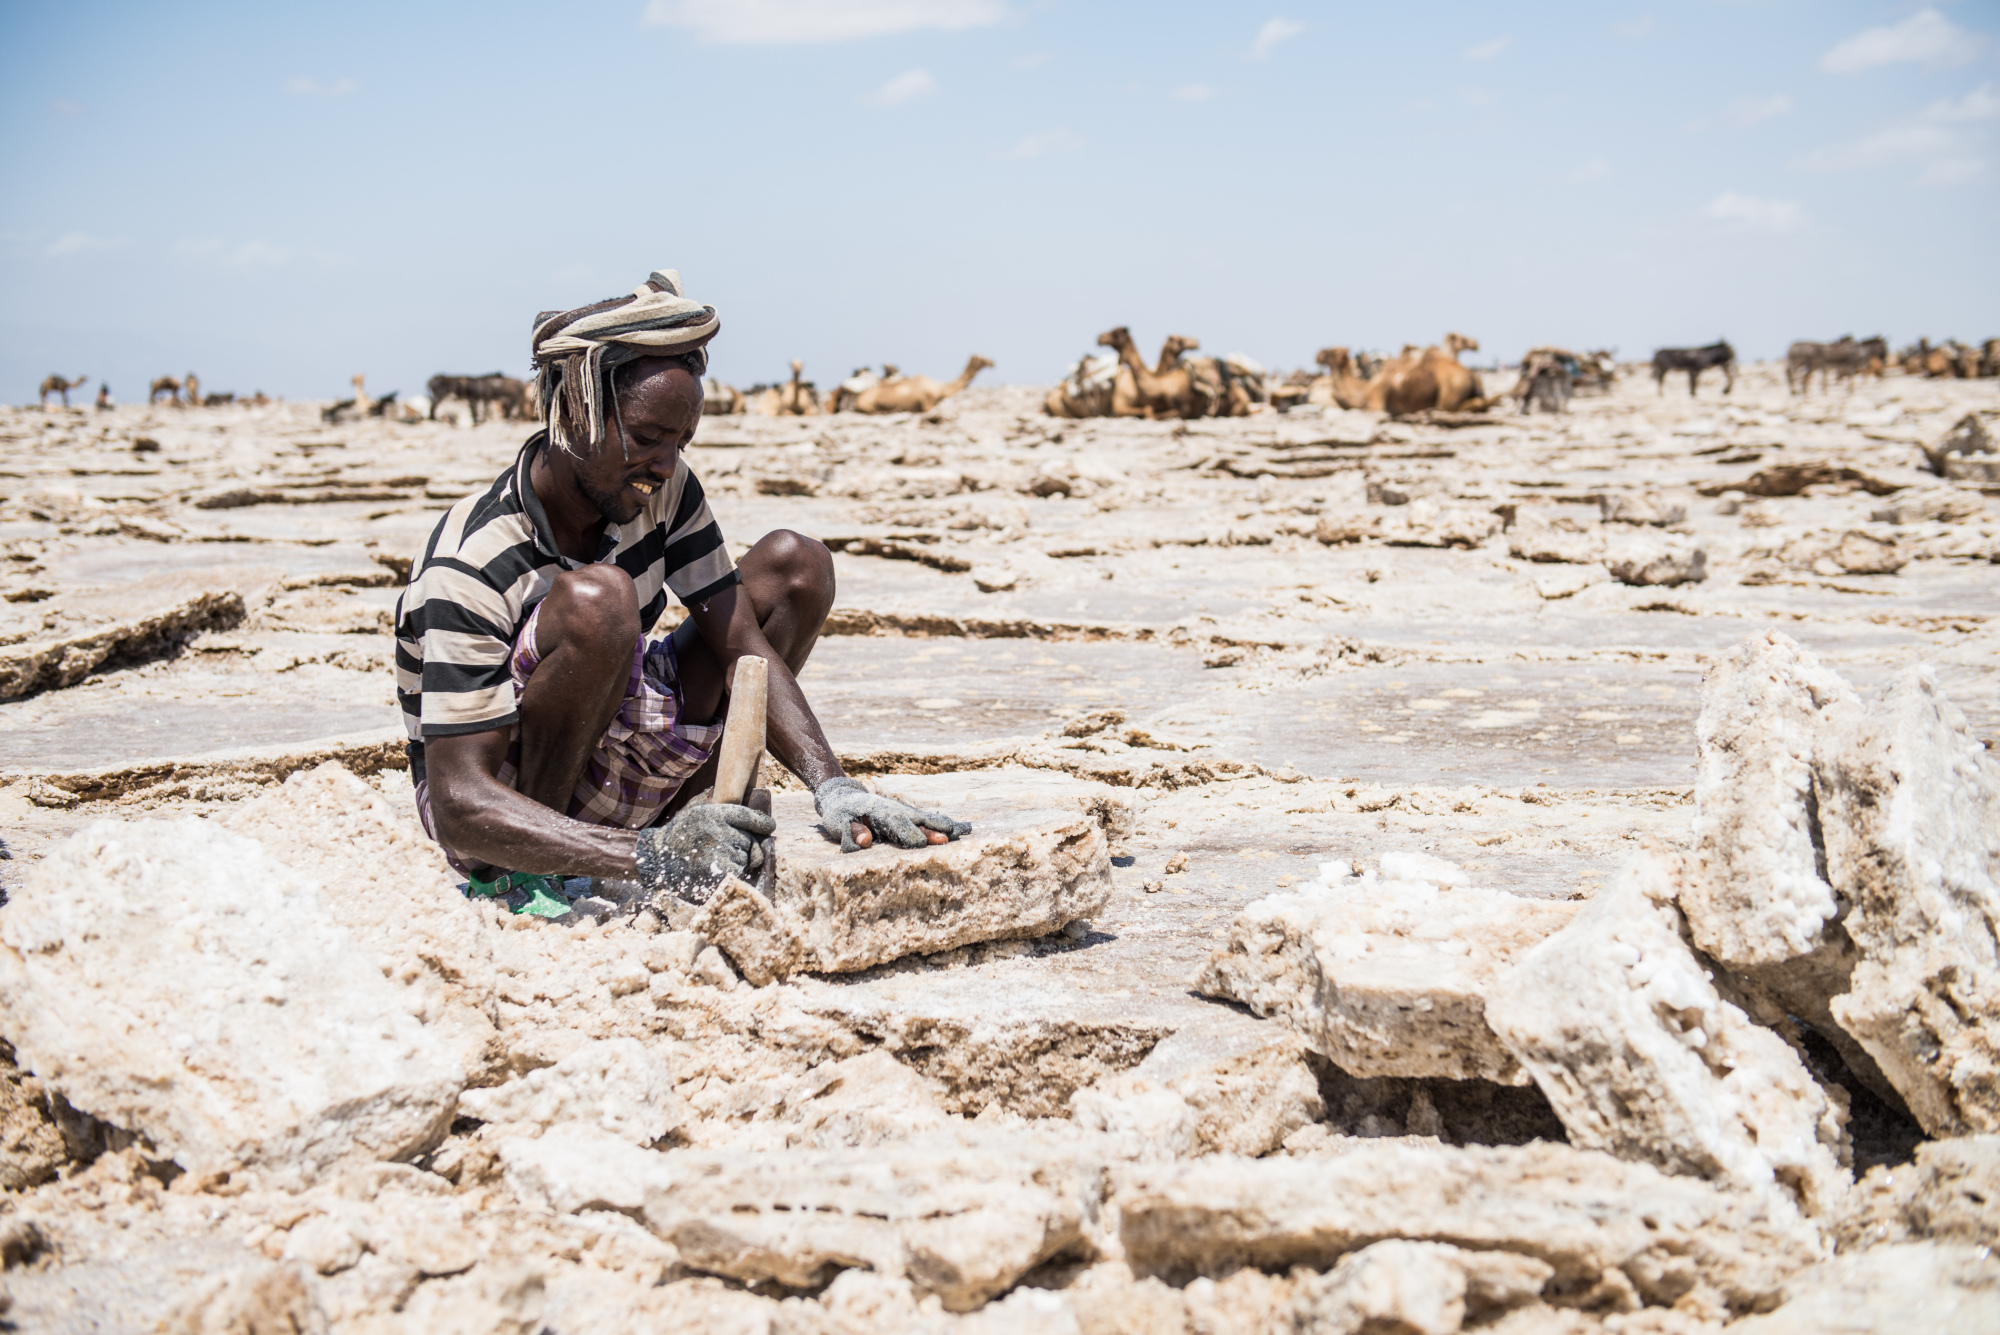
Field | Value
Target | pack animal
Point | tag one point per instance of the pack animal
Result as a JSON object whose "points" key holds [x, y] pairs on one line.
{"points": [[492, 390], [1694, 361], [55, 384]]}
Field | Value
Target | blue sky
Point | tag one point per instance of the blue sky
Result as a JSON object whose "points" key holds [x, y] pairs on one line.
{"points": [[280, 196]]}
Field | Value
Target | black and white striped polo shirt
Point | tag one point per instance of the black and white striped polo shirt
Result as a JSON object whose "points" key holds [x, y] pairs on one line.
{"points": [[491, 560]]}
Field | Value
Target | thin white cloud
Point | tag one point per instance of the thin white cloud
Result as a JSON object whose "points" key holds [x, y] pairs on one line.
{"points": [[1946, 141], [303, 86], [1031, 60], [751, 22], [1193, 92], [62, 106], [1981, 104], [1475, 97], [1639, 27], [1041, 145], [905, 87], [1488, 49], [82, 243], [255, 256], [1747, 111], [1271, 34], [1594, 170], [1925, 37], [1748, 213]]}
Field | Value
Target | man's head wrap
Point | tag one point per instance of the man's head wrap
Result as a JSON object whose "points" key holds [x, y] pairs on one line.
{"points": [[575, 352]]}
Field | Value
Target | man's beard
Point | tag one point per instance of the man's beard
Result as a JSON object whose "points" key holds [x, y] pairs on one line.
{"points": [[610, 504]]}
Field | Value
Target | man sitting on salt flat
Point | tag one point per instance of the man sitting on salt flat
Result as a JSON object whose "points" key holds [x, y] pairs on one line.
{"points": [[549, 735]]}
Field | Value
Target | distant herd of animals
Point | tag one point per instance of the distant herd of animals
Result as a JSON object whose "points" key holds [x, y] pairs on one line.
{"points": [[1119, 383]]}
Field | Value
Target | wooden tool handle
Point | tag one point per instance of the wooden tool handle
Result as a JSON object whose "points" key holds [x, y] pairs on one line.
{"points": [[743, 735]]}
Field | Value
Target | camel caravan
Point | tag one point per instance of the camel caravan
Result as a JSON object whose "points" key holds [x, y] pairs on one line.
{"points": [[1120, 384], [862, 392]]}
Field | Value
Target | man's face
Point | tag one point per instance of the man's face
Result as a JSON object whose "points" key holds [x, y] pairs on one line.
{"points": [[660, 404]]}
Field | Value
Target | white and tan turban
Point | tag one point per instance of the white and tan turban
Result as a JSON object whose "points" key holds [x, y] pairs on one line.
{"points": [[575, 352]]}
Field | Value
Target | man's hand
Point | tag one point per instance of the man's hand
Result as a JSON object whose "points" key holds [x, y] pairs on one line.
{"points": [[844, 804], [700, 848]]}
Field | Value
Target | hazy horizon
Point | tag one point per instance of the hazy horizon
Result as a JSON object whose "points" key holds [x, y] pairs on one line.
{"points": [[279, 200]]}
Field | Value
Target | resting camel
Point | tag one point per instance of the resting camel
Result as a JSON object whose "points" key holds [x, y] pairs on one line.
{"points": [[915, 393], [55, 384], [166, 385], [1406, 383], [1168, 392], [721, 400], [1088, 388], [1458, 387], [793, 399]]}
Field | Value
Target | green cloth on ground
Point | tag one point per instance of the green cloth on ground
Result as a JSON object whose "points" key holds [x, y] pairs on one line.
{"points": [[522, 892]]}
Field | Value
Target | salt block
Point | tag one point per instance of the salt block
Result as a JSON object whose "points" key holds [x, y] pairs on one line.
{"points": [[1594, 1220], [177, 980], [960, 1215], [1030, 867], [1535, 537], [1384, 978], [1639, 1054], [1937, 1288], [616, 1084], [1756, 894], [1646, 559], [1909, 805]]}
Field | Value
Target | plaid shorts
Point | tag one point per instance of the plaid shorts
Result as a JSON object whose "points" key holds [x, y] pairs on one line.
{"points": [[643, 758]]}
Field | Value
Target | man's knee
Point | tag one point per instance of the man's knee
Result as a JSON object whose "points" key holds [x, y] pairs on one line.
{"points": [[801, 567], [595, 609]]}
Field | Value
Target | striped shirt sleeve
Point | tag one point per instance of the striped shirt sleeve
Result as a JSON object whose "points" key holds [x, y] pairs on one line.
{"points": [[463, 626]]}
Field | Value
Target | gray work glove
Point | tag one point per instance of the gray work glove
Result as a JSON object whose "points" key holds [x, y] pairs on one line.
{"points": [[842, 801], [700, 848]]}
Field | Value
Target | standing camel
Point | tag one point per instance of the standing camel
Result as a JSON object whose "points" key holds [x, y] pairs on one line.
{"points": [[915, 393], [166, 385], [55, 384]]}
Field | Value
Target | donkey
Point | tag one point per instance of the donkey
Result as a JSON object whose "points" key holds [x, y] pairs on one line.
{"points": [[1694, 361]]}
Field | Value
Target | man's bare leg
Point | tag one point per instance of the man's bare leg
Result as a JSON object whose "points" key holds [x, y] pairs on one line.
{"points": [[585, 634]]}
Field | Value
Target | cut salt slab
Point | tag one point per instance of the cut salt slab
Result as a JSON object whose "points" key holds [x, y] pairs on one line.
{"points": [[1035, 862], [960, 1215], [1385, 977], [177, 980], [1909, 803], [1640, 1056], [1623, 1231], [616, 1084]]}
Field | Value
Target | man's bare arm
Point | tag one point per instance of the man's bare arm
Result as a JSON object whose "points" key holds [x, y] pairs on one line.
{"points": [[728, 625], [483, 820]]}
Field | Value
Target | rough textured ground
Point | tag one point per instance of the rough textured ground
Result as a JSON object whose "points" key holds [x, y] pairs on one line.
{"points": [[1247, 649]]}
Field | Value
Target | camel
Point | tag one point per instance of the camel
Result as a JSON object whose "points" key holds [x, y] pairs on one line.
{"points": [[720, 400], [55, 384], [1088, 388], [1407, 383], [166, 385], [793, 399], [191, 390], [840, 399], [915, 393], [362, 403], [1458, 387], [1168, 392]]}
